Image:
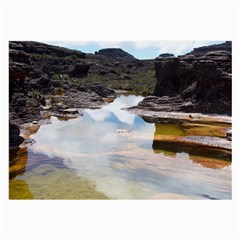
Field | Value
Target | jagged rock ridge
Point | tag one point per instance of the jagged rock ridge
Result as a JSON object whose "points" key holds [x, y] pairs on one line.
{"points": [[200, 81]]}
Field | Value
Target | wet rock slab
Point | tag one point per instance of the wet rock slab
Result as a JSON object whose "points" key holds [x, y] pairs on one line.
{"points": [[178, 117], [218, 143], [30, 128], [65, 113], [71, 110], [215, 142], [204, 141], [27, 142]]}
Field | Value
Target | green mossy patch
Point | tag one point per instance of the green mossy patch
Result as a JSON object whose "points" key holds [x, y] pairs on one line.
{"points": [[49, 182], [19, 189], [138, 83]]}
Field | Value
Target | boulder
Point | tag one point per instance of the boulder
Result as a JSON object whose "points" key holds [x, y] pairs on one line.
{"points": [[80, 70], [14, 139], [101, 90]]}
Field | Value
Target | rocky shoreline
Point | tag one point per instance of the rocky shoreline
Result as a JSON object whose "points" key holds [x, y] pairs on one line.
{"points": [[178, 117], [219, 144], [46, 81], [194, 88], [35, 94]]}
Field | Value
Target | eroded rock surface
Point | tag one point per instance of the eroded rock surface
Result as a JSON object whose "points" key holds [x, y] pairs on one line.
{"points": [[200, 81], [44, 78], [154, 116]]}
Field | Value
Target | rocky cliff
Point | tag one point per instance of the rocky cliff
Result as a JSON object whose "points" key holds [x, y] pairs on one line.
{"points": [[32, 68], [46, 78], [19, 65], [200, 81]]}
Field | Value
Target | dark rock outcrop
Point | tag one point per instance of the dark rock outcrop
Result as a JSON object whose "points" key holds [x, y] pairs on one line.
{"points": [[14, 139], [40, 71], [165, 55], [101, 90], [200, 81], [167, 104], [19, 65], [80, 70], [114, 53], [23, 106], [42, 48], [50, 60], [201, 51]]}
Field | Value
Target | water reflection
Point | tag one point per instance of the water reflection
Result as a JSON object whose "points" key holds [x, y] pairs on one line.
{"points": [[170, 146], [113, 113], [18, 159], [22, 160], [128, 165]]}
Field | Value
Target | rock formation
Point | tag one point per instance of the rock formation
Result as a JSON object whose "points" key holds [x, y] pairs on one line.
{"points": [[41, 77], [19, 62], [200, 81], [165, 55], [49, 78], [14, 138], [114, 53], [46, 78], [201, 51]]}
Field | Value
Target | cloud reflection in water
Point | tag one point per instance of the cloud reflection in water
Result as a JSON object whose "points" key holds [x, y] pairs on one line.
{"points": [[115, 162], [114, 109]]}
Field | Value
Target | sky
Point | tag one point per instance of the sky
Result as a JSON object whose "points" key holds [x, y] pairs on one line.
{"points": [[139, 49]]}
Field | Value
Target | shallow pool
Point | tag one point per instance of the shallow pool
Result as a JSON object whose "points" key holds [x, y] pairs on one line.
{"points": [[111, 153]]}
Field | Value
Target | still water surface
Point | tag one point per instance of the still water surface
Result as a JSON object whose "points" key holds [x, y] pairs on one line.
{"points": [[86, 158]]}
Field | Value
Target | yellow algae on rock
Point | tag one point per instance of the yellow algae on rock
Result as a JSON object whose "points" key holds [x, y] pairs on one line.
{"points": [[50, 182], [19, 189]]}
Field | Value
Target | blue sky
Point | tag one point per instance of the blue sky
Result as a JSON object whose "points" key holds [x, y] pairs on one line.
{"points": [[139, 49]]}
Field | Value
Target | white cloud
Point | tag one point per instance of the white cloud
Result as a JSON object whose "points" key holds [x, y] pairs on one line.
{"points": [[175, 47], [180, 47]]}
